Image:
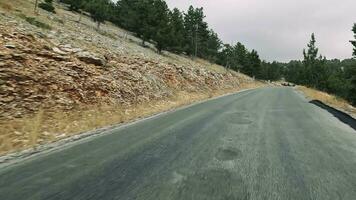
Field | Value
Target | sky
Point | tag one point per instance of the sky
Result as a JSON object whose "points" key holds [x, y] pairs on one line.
{"points": [[280, 29]]}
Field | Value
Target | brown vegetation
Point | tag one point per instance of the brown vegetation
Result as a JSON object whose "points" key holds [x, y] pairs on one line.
{"points": [[64, 81], [328, 99]]}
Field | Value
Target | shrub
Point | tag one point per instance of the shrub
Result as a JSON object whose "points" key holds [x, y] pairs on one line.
{"points": [[47, 5], [34, 22]]}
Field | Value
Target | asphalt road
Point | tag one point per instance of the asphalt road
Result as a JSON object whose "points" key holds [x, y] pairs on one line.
{"points": [[259, 144]]}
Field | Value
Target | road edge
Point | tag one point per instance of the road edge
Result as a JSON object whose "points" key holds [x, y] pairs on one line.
{"points": [[45, 149]]}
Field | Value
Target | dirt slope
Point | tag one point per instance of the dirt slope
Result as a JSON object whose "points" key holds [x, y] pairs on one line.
{"points": [[60, 77]]}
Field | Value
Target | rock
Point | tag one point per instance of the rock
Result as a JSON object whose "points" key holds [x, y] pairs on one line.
{"points": [[90, 59], [7, 99], [2, 53], [70, 49], [61, 136], [61, 58], [58, 51], [18, 57], [10, 46]]}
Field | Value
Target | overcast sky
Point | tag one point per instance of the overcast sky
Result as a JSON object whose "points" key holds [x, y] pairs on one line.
{"points": [[280, 29]]}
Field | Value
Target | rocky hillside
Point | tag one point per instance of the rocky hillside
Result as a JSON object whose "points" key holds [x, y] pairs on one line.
{"points": [[52, 66]]}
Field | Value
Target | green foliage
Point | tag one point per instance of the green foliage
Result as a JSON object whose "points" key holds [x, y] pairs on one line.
{"points": [[197, 33], [35, 22], [354, 41], [238, 58], [172, 30], [47, 5], [74, 5], [98, 10], [315, 72], [352, 91], [332, 76], [162, 34], [311, 55], [177, 31], [271, 71]]}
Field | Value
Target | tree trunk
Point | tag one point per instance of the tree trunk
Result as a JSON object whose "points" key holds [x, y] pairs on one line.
{"points": [[80, 16], [98, 25], [36, 3]]}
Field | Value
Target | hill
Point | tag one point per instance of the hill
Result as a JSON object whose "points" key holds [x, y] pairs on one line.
{"points": [[60, 77]]}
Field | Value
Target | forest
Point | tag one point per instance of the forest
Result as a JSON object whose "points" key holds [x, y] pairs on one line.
{"points": [[187, 32]]}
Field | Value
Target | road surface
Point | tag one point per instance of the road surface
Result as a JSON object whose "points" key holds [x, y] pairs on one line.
{"points": [[258, 144]]}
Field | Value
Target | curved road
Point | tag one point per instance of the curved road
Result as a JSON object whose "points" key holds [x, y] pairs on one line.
{"points": [[259, 144]]}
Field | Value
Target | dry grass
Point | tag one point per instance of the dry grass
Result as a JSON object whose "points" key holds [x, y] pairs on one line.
{"points": [[328, 99], [5, 6], [49, 126]]}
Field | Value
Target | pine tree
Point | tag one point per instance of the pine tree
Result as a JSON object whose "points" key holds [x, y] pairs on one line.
{"points": [[253, 66], [190, 26], [176, 24], [354, 41], [74, 5], [196, 31], [211, 46], [160, 25], [352, 72], [47, 5], [311, 55], [126, 10], [240, 57], [97, 10], [314, 70], [225, 56]]}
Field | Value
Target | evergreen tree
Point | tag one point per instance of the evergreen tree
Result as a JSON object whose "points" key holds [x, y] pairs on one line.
{"points": [[354, 41], [176, 34], [271, 71], [98, 10], [127, 14], [212, 47], [74, 5], [47, 5], [225, 56], [352, 91], [160, 25], [253, 66], [311, 55], [352, 72], [240, 57], [196, 31], [314, 71]]}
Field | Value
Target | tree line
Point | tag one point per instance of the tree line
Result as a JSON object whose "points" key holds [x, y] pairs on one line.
{"points": [[332, 76], [187, 32], [181, 32]]}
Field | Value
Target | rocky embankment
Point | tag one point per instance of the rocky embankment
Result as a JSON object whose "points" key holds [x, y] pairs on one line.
{"points": [[54, 83], [36, 74]]}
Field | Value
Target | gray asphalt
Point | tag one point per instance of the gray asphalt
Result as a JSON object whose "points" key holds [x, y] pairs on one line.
{"points": [[259, 144]]}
